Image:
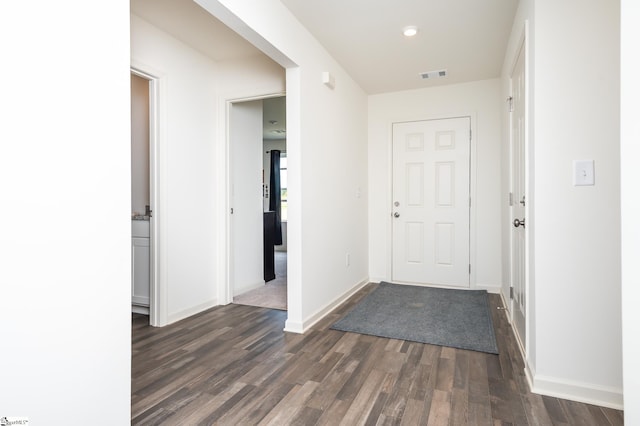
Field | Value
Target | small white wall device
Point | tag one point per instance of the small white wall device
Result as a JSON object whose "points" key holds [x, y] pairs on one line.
{"points": [[328, 79], [583, 173]]}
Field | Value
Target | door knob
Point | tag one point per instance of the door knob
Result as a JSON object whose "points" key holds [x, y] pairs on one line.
{"points": [[396, 214], [518, 222]]}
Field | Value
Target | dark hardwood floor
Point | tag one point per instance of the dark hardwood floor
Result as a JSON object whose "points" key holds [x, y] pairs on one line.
{"points": [[233, 365]]}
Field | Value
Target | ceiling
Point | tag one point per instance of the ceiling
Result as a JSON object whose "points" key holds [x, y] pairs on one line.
{"points": [[274, 118], [196, 27], [467, 38]]}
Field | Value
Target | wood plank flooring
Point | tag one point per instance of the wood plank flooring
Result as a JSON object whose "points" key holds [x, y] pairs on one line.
{"points": [[233, 365]]}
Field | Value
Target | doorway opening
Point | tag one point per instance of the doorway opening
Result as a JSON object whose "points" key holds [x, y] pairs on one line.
{"points": [[258, 239], [143, 195]]}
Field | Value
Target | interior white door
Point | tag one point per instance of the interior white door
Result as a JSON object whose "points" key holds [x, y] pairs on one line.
{"points": [[518, 234], [245, 123], [431, 180]]}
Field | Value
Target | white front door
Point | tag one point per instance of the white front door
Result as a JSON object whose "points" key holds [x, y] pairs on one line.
{"points": [[518, 235], [431, 161]]}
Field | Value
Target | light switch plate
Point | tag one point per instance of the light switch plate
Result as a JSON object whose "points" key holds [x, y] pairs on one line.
{"points": [[583, 173]]}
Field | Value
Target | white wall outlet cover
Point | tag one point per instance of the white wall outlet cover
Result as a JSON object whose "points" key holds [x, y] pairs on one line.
{"points": [[583, 173]]}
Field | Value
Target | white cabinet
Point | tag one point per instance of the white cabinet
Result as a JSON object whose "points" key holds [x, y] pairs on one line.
{"points": [[140, 259]]}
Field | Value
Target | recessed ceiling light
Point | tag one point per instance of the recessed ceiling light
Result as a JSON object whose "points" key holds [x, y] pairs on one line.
{"points": [[410, 31]]}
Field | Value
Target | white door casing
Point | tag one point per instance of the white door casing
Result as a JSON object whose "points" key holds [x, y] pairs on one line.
{"points": [[518, 210], [431, 202], [228, 107]]}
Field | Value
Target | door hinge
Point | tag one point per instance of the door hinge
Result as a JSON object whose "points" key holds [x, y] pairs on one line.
{"points": [[510, 292], [469, 201], [511, 199], [510, 101], [231, 210], [470, 134], [469, 269]]}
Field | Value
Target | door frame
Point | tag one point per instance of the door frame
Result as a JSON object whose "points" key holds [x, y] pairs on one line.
{"points": [[157, 268], [523, 47], [224, 179], [472, 189]]}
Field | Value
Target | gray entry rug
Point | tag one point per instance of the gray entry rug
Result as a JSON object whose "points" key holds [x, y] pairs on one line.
{"points": [[445, 317]]}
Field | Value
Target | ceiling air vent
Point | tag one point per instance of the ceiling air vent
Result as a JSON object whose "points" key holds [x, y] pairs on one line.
{"points": [[433, 74]]}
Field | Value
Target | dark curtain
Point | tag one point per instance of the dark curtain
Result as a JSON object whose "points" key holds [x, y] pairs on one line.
{"points": [[274, 193]]}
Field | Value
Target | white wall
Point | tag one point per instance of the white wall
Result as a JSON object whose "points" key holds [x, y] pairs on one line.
{"points": [[577, 247], [326, 150], [481, 100], [185, 211], [139, 144], [65, 263], [192, 156], [249, 77], [575, 323], [630, 151]]}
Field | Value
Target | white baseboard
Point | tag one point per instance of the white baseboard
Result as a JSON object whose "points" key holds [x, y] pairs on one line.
{"points": [[140, 301], [137, 309], [519, 342], [177, 316], [528, 373], [300, 328], [576, 391], [507, 306], [293, 327], [565, 389]]}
